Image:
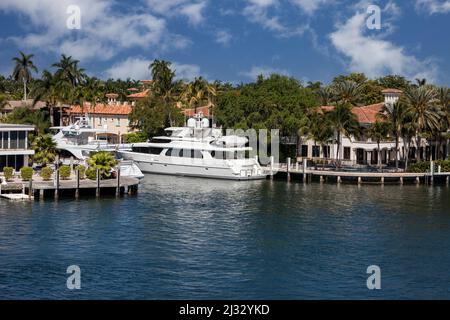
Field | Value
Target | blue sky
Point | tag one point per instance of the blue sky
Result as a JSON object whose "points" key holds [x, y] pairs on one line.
{"points": [[233, 40]]}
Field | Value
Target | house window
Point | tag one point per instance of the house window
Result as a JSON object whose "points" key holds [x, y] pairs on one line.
{"points": [[13, 140], [316, 151], [22, 137], [304, 151], [347, 151], [118, 122]]}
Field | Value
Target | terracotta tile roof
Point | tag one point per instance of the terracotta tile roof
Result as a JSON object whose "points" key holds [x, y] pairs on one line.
{"points": [[121, 109], [139, 95], [191, 112], [112, 95], [365, 115], [391, 91], [12, 104], [368, 114]]}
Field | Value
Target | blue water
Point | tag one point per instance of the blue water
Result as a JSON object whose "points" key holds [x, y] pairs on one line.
{"points": [[183, 238]]}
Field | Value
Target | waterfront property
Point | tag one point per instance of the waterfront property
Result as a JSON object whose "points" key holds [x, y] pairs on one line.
{"points": [[362, 149], [14, 150], [112, 117]]}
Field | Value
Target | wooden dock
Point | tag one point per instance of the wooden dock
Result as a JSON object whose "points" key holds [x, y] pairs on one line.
{"points": [[70, 188], [358, 177]]}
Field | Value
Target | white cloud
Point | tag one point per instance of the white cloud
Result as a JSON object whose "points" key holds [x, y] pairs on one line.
{"points": [[256, 71], [433, 6], [135, 68], [310, 6], [257, 12], [104, 32], [376, 56], [138, 68], [191, 9], [186, 71], [223, 37]]}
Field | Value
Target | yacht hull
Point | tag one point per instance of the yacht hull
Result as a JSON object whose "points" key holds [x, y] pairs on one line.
{"points": [[190, 170], [194, 171]]}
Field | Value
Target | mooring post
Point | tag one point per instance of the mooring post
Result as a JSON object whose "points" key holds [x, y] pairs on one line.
{"points": [[401, 180], [382, 181], [305, 165], [432, 172], [272, 163], [118, 183], [417, 180], [30, 188], [97, 193], [339, 179], [77, 190], [288, 169], [57, 184], [359, 180]]}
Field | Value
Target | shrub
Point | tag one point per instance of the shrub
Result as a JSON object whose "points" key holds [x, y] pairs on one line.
{"points": [[82, 170], [424, 166], [91, 173], [135, 137], [64, 172], [46, 173], [104, 161], [26, 173], [8, 172]]}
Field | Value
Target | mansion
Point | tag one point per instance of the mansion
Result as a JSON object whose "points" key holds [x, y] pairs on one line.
{"points": [[362, 150]]}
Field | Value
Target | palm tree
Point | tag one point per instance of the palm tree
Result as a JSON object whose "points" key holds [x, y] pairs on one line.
{"points": [[45, 150], [195, 93], [348, 92], [45, 90], [444, 104], [344, 123], [379, 132], [325, 96], [162, 76], [319, 129], [23, 69], [68, 70], [420, 104], [395, 115], [421, 82], [212, 90], [104, 161]]}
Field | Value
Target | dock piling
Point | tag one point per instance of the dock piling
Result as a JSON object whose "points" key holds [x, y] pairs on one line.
{"points": [[118, 183], [97, 191]]}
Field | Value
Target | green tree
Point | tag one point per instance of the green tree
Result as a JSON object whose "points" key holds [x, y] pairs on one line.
{"points": [[348, 92], [67, 70], [344, 122], [420, 104], [379, 132], [23, 69], [104, 161], [45, 150], [395, 115]]}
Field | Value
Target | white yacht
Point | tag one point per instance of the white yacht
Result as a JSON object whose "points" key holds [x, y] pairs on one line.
{"points": [[196, 150], [76, 142]]}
